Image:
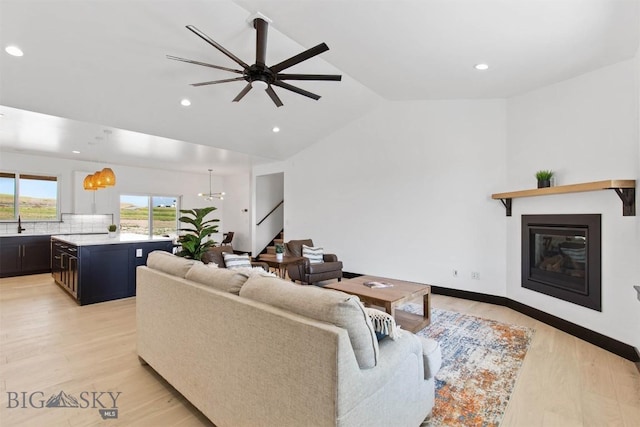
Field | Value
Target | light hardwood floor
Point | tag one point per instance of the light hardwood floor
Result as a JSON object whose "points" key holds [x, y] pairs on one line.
{"points": [[48, 343]]}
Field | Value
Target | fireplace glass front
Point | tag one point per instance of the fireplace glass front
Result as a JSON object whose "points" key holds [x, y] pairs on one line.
{"points": [[561, 257]]}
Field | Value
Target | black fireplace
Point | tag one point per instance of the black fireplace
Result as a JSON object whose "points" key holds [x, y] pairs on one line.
{"points": [[561, 257]]}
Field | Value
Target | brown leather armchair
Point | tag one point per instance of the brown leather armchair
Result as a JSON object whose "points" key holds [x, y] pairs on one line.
{"points": [[331, 268], [214, 254]]}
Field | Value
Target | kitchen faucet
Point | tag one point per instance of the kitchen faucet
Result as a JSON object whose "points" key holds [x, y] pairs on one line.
{"points": [[20, 229]]}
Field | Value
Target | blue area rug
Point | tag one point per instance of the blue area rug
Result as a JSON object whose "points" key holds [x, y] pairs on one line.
{"points": [[481, 362]]}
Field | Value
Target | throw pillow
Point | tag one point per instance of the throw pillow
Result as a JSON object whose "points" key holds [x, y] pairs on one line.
{"points": [[234, 261], [383, 323], [315, 255]]}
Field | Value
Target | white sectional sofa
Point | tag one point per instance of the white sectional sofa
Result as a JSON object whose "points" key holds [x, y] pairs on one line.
{"points": [[261, 351]]}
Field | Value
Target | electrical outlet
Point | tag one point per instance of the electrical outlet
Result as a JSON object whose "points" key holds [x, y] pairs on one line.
{"points": [[475, 275], [138, 253], [455, 273]]}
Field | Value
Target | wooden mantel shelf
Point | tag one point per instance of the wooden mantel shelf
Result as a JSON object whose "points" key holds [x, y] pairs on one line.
{"points": [[624, 188]]}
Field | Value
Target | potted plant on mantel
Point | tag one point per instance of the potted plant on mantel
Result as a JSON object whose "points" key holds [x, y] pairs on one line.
{"points": [[193, 242], [112, 230], [544, 178]]}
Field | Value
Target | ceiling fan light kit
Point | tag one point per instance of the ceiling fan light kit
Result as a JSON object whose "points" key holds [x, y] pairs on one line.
{"points": [[259, 75]]}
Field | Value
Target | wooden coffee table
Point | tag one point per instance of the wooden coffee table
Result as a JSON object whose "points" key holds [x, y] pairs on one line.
{"points": [[390, 298]]}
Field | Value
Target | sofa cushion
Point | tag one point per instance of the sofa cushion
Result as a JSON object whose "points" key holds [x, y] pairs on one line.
{"points": [[219, 278], [338, 308], [254, 271], [236, 261], [315, 255], [431, 357], [170, 264]]}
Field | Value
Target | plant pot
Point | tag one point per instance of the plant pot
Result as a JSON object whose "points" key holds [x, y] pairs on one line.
{"points": [[279, 256], [112, 234], [544, 183]]}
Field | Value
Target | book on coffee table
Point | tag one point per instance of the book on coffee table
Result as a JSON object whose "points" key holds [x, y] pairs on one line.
{"points": [[376, 285]]}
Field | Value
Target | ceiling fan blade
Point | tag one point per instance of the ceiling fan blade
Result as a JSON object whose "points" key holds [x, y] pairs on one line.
{"points": [[204, 64], [309, 53], [242, 93], [296, 90], [274, 97], [213, 43], [261, 40], [215, 82], [333, 77]]}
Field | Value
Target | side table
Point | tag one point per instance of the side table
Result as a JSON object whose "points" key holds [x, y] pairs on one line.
{"points": [[281, 264]]}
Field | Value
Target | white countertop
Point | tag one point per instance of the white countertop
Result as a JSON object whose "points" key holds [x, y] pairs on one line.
{"points": [[104, 239]]}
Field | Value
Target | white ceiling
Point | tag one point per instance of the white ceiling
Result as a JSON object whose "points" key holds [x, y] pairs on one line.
{"points": [[96, 65]]}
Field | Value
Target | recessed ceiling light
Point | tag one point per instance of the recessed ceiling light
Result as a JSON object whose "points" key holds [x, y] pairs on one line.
{"points": [[481, 67], [185, 102], [276, 129], [75, 152], [14, 51]]}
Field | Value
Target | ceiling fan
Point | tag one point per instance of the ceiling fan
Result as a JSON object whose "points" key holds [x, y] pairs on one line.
{"points": [[259, 75]]}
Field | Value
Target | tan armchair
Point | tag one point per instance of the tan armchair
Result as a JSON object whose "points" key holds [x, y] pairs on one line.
{"points": [[331, 268], [214, 255]]}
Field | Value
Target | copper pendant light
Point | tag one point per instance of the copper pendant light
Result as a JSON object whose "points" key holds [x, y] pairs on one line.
{"points": [[108, 177], [98, 181], [87, 184], [101, 179]]}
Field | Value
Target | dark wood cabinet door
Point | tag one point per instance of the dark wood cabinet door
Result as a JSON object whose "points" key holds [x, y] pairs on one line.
{"points": [[36, 256], [10, 257], [24, 255]]}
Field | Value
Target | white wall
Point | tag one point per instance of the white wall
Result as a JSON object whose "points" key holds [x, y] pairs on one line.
{"points": [[259, 171], [586, 129], [269, 193], [129, 181], [637, 78], [404, 192], [236, 219]]}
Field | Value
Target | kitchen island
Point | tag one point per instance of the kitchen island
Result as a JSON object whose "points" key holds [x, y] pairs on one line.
{"points": [[95, 267]]}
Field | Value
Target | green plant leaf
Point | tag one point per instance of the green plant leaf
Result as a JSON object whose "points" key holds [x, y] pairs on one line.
{"points": [[544, 175], [193, 242]]}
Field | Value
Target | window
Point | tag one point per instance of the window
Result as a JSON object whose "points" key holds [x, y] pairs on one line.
{"points": [[32, 197], [149, 215]]}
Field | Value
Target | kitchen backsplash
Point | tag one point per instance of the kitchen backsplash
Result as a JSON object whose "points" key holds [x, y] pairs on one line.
{"points": [[70, 224]]}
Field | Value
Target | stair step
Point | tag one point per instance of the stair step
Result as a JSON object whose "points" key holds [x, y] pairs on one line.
{"points": [[278, 241], [271, 249]]}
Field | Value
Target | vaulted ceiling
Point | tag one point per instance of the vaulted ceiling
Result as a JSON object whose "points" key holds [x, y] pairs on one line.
{"points": [[92, 66]]}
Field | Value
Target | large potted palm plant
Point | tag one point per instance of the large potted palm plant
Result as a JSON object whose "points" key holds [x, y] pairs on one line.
{"points": [[193, 242]]}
